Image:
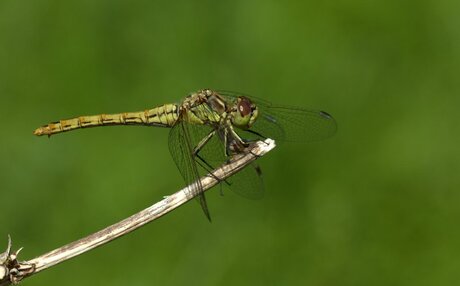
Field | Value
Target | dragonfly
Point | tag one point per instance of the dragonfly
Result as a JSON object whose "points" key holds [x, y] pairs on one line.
{"points": [[209, 127]]}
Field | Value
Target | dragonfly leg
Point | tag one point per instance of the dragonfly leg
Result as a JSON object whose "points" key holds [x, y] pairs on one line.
{"points": [[242, 144], [256, 133], [236, 145], [203, 142], [208, 167], [227, 155], [197, 150], [200, 146]]}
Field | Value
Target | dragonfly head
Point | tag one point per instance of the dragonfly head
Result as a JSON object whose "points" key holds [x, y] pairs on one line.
{"points": [[244, 113]]}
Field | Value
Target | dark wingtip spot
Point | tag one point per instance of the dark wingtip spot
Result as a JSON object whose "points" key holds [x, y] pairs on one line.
{"points": [[325, 114]]}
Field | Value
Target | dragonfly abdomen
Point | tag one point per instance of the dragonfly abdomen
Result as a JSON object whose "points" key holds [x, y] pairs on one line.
{"points": [[162, 116]]}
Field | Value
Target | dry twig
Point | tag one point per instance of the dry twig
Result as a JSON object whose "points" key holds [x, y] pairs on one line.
{"points": [[12, 270]]}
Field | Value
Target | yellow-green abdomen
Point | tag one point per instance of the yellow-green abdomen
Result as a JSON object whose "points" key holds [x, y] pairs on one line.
{"points": [[162, 116]]}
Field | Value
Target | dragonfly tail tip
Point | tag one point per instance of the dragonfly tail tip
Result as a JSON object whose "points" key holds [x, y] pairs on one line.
{"points": [[38, 132]]}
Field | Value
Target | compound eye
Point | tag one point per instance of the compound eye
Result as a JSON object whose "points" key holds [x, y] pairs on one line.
{"points": [[244, 107]]}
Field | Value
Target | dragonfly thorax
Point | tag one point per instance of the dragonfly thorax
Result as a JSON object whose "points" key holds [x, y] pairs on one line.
{"points": [[210, 108], [204, 107]]}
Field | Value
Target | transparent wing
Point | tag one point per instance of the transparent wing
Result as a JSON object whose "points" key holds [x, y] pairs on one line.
{"points": [[246, 183], [214, 150], [181, 148], [284, 123]]}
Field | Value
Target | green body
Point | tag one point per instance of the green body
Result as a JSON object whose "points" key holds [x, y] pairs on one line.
{"points": [[199, 108], [221, 114]]}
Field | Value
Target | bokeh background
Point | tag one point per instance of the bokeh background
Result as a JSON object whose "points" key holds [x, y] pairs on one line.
{"points": [[378, 204]]}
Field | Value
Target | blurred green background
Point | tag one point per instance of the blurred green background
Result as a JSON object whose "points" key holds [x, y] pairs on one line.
{"points": [[378, 204]]}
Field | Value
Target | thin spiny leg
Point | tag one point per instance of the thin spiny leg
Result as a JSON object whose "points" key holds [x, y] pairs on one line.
{"points": [[256, 133], [196, 152], [208, 168], [203, 142]]}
